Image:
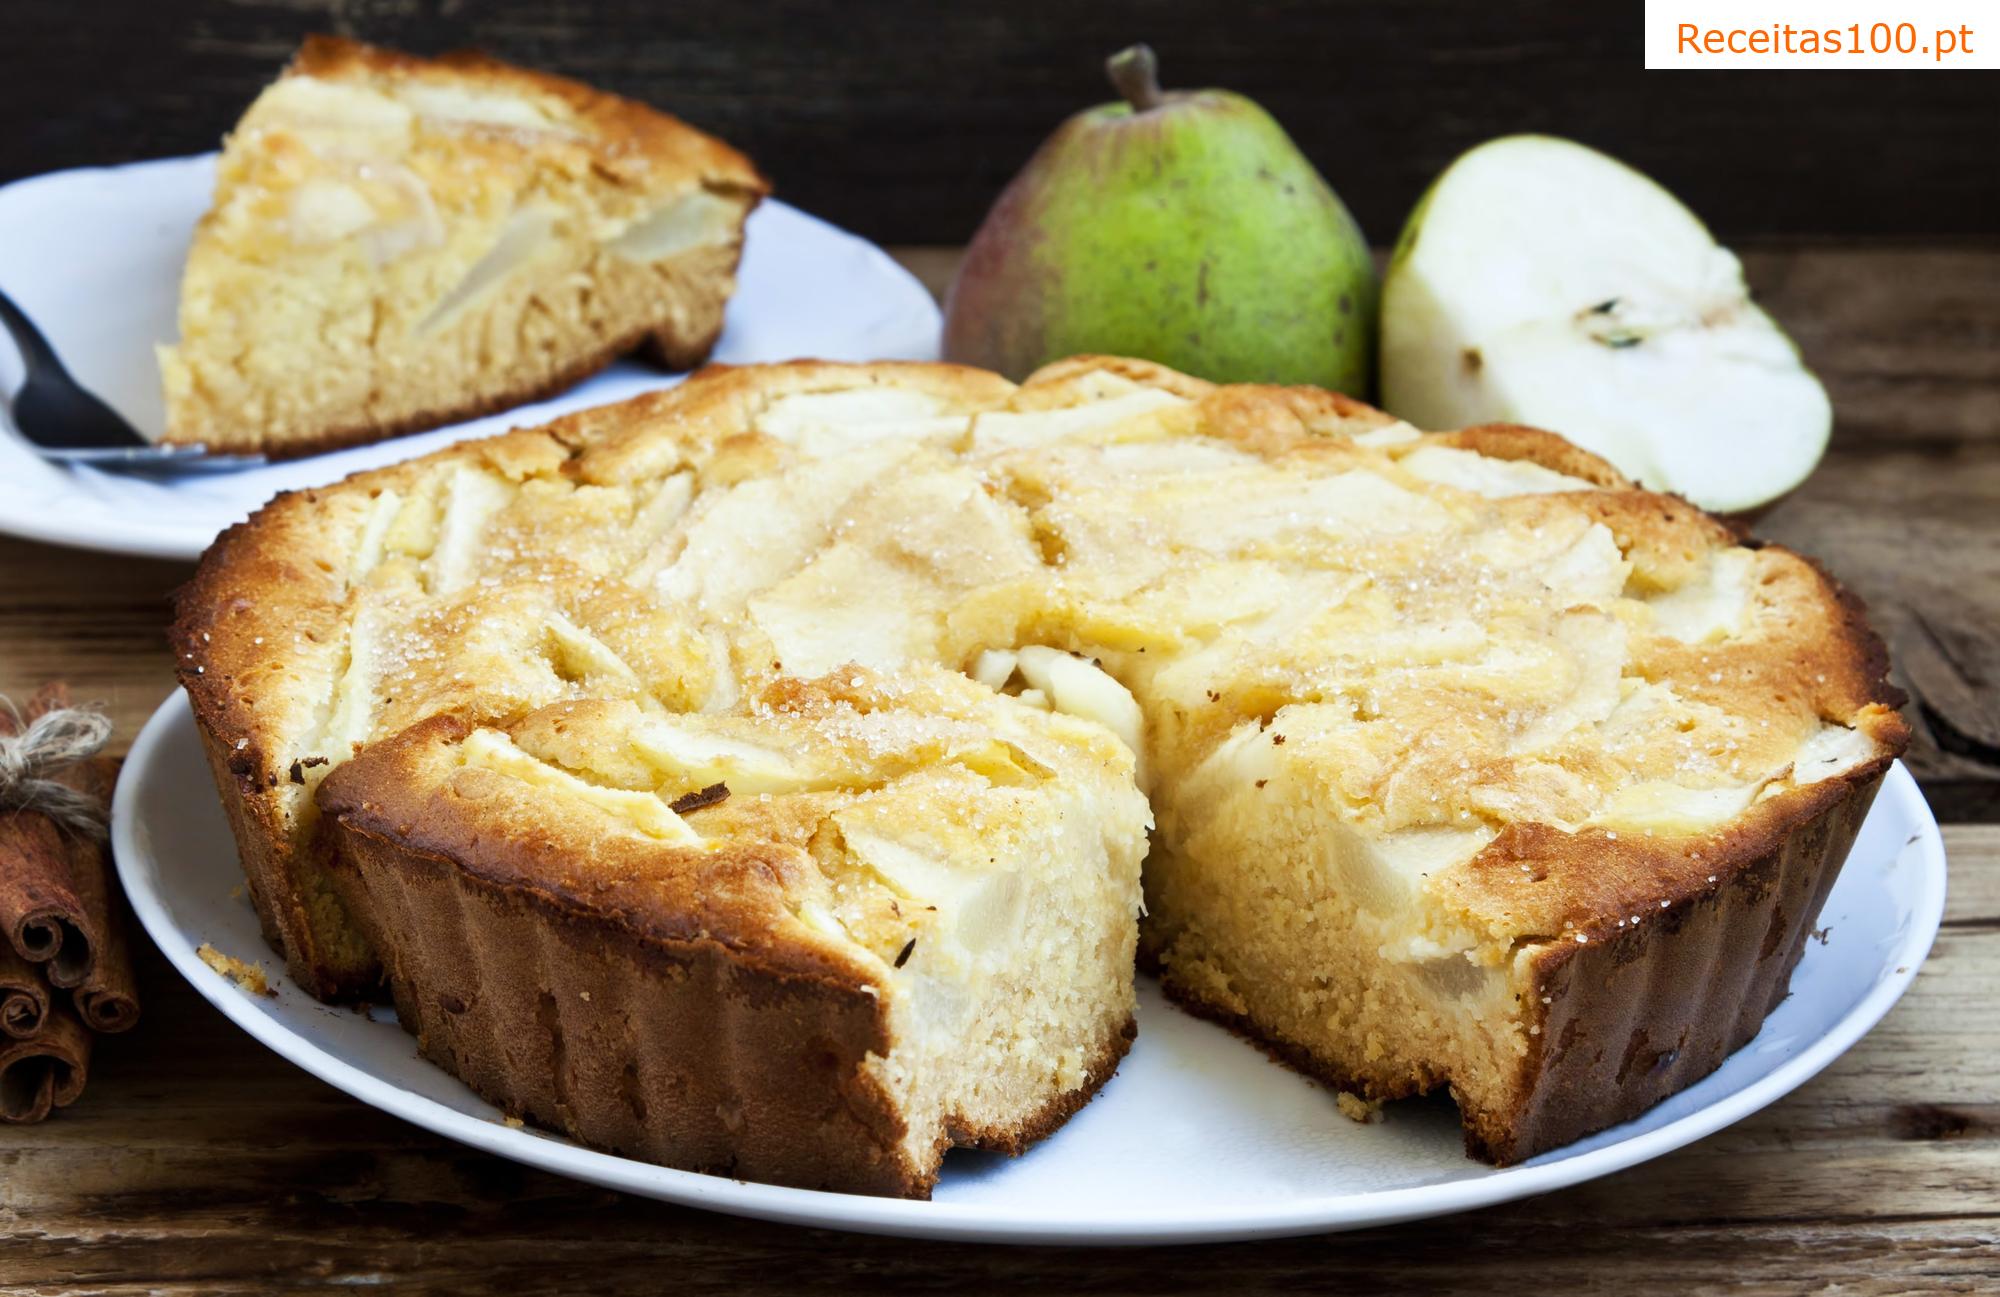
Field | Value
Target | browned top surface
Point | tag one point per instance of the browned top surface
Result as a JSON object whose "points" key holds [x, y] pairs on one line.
{"points": [[1443, 755], [624, 132], [1881, 1175], [894, 751]]}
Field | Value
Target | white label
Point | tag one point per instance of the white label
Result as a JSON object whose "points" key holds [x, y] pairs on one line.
{"points": [[1801, 34]]}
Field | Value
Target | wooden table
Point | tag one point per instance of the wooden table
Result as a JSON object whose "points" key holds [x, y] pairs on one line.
{"points": [[200, 1162]]}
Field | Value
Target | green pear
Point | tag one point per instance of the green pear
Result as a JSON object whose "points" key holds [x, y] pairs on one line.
{"points": [[1184, 228]]}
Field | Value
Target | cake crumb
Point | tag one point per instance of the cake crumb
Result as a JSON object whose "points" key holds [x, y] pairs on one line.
{"points": [[248, 977], [1357, 1109], [511, 1122]]}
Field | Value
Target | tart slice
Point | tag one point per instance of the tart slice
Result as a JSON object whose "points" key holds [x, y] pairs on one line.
{"points": [[397, 243], [817, 942]]}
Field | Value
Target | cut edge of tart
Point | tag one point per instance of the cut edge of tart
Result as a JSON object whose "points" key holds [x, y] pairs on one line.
{"points": [[397, 243], [1473, 765], [891, 916]]}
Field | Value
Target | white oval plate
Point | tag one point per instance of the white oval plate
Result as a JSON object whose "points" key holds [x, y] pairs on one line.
{"points": [[1198, 1137], [94, 257]]}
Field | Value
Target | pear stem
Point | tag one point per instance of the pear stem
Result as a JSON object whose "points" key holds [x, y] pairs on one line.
{"points": [[1136, 73]]}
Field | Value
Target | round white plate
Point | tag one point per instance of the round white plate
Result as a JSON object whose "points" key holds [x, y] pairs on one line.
{"points": [[94, 258], [1198, 1137]]}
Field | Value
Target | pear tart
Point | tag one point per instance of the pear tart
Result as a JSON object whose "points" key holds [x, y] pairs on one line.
{"points": [[397, 243], [754, 777]]}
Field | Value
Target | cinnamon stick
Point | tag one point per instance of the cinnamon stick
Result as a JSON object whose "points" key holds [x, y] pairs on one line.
{"points": [[108, 994], [40, 912], [45, 1071], [61, 916], [24, 995], [58, 903]]}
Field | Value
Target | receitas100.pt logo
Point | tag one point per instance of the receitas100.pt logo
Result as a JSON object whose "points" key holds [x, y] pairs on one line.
{"points": [[1807, 34]]}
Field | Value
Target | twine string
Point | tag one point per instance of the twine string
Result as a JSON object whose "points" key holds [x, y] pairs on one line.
{"points": [[38, 751]]}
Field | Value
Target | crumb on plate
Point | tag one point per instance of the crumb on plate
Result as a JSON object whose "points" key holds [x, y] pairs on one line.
{"points": [[247, 976]]}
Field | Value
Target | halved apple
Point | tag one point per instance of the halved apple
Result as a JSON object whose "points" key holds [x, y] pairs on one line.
{"points": [[1541, 282]]}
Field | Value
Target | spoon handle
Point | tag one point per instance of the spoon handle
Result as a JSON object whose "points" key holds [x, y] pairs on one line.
{"points": [[37, 356]]}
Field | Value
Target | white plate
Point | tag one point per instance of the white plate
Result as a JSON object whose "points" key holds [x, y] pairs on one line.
{"points": [[1196, 1138], [94, 258]]}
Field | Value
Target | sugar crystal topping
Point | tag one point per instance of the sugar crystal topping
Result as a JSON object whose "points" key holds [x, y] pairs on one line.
{"points": [[1435, 645]]}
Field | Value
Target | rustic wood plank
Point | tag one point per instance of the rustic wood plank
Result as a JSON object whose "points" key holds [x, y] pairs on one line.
{"points": [[905, 126], [96, 620], [1906, 508], [199, 1162]]}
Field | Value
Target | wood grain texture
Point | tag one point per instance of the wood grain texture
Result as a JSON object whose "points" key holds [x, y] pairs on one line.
{"points": [[200, 1162], [1906, 508], [904, 121]]}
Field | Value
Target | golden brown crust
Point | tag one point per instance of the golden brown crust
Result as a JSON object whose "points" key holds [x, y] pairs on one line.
{"points": [[280, 574], [512, 838], [627, 132], [224, 641], [1139, 371], [682, 1051], [604, 993], [1511, 441], [1639, 1013], [1539, 879]]}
